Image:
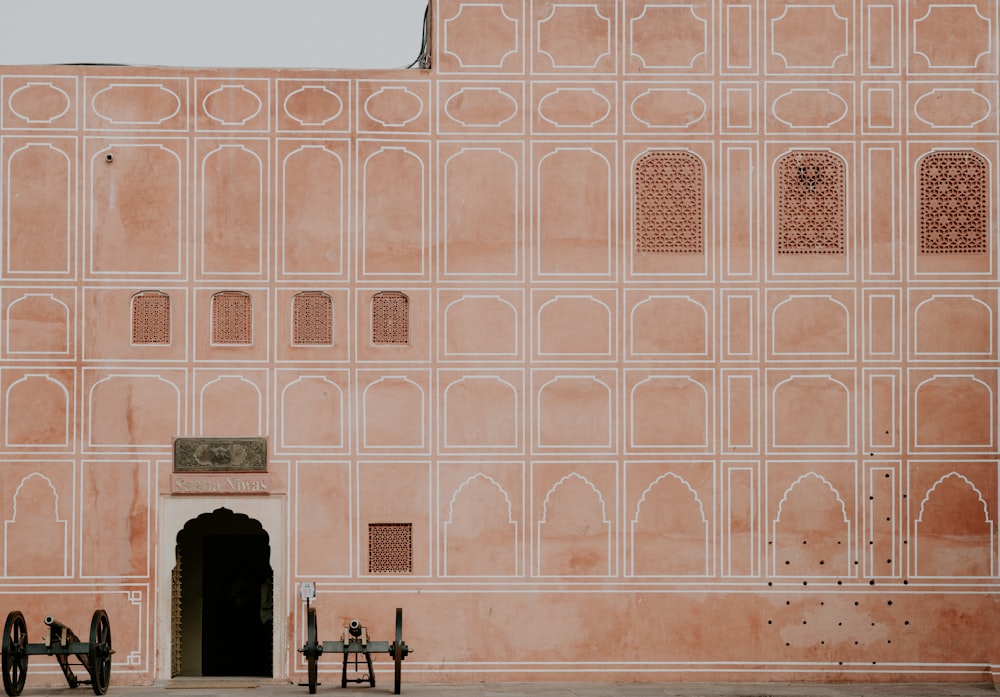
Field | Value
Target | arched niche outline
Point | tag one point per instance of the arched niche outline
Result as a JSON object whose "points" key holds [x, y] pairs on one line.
{"points": [[472, 381], [52, 409], [635, 522], [575, 477], [486, 480], [598, 307], [220, 381], [338, 398], [503, 304]]}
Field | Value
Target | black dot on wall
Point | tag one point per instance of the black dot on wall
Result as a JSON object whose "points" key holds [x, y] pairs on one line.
{"points": [[886, 474], [888, 602]]}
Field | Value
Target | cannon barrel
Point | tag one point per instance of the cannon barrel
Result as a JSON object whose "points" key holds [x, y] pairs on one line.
{"points": [[354, 628], [51, 621]]}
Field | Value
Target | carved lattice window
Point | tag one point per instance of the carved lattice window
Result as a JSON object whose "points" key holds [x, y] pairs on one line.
{"points": [[812, 203], [390, 318], [953, 216], [312, 319], [390, 548], [151, 318], [669, 203], [232, 318]]}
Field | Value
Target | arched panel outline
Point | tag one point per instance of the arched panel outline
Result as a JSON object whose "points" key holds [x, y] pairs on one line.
{"points": [[364, 411], [113, 376], [13, 519], [69, 206], [482, 378], [7, 410], [986, 519], [612, 427], [939, 296], [341, 224], [916, 412], [848, 334], [638, 509], [544, 519], [610, 214], [609, 324], [849, 571], [262, 249], [340, 398], [709, 426], [684, 298], [518, 570], [515, 339], [516, 233], [261, 406], [101, 157], [363, 212], [848, 411], [65, 309]]}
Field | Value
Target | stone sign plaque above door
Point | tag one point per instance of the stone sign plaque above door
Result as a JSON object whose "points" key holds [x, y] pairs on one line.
{"points": [[213, 455]]}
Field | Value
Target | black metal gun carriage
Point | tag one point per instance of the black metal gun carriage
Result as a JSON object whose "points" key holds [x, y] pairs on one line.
{"points": [[355, 642], [61, 642]]}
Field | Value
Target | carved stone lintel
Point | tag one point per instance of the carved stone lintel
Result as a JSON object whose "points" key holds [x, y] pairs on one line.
{"points": [[220, 455]]}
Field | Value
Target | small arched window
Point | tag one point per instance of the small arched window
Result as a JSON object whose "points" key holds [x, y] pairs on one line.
{"points": [[953, 203], [669, 203], [150, 318], [312, 319], [390, 318], [811, 209], [232, 318]]}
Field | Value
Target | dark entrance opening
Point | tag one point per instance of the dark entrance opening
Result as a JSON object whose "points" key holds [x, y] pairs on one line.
{"points": [[224, 597]]}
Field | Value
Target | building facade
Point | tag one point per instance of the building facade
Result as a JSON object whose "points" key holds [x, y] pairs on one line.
{"points": [[638, 340]]}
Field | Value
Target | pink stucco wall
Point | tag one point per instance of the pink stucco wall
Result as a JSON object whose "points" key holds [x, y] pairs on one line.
{"points": [[669, 328]]}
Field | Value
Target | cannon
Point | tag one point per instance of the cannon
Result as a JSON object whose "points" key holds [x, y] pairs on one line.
{"points": [[354, 642], [61, 642]]}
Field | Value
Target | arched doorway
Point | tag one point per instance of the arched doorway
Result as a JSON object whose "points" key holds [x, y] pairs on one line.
{"points": [[222, 597]]}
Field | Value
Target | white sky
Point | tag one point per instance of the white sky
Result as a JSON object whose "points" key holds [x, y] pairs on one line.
{"points": [[213, 33]]}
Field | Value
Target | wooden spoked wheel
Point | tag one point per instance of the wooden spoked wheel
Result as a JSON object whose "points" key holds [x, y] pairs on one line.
{"points": [[100, 652], [312, 649], [15, 657], [397, 649]]}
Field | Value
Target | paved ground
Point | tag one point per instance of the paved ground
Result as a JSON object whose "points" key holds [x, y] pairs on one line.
{"points": [[243, 688]]}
